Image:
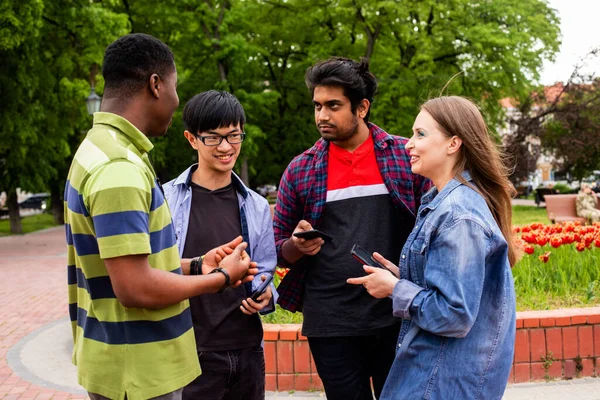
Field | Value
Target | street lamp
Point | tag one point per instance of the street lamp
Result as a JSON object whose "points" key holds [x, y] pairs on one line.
{"points": [[93, 102]]}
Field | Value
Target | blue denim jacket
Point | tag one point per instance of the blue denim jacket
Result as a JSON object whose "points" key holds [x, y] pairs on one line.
{"points": [[256, 220], [457, 301]]}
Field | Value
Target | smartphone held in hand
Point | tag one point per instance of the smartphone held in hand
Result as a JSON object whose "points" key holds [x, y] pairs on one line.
{"points": [[261, 289], [313, 234], [364, 257]]}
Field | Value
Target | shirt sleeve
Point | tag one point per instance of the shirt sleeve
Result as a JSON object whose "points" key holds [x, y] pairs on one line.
{"points": [[454, 273], [286, 215], [118, 197], [266, 257]]}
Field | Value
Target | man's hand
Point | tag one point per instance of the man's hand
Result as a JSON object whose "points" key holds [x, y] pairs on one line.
{"points": [[379, 283], [250, 307], [308, 247], [213, 257], [238, 265]]}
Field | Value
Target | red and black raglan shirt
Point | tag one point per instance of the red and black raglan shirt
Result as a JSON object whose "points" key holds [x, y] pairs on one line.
{"points": [[368, 197]]}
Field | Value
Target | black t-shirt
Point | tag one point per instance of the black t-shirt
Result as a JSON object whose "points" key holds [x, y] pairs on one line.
{"points": [[218, 322], [358, 210]]}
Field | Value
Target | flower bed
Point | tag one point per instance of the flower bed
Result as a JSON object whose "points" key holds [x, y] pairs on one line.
{"points": [[560, 266]]}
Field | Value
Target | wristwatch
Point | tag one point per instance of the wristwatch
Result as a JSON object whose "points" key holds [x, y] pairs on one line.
{"points": [[227, 278]]}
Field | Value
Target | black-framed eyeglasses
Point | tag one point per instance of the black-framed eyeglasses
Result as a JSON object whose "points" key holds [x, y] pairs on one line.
{"points": [[234, 138]]}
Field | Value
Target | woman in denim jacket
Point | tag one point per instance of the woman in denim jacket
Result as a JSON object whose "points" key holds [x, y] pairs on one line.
{"points": [[455, 291]]}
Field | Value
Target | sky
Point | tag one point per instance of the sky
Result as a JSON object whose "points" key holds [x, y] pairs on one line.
{"points": [[580, 30]]}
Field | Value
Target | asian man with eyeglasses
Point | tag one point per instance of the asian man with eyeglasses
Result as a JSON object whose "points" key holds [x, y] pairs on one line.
{"points": [[210, 205]]}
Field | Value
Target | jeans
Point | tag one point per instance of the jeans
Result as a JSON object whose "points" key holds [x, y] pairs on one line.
{"points": [[347, 364], [229, 375]]}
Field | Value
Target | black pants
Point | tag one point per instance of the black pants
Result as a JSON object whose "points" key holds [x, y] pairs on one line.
{"points": [[346, 364], [234, 375]]}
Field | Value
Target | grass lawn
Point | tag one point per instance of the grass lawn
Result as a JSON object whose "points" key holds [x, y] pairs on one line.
{"points": [[525, 215], [30, 224]]}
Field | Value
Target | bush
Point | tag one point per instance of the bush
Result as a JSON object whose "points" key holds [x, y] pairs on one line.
{"points": [[564, 189]]}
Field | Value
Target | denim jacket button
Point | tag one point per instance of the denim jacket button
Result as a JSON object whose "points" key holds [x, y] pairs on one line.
{"points": [[403, 256]]}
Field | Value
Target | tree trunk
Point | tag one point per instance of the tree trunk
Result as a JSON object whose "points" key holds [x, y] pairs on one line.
{"points": [[13, 211], [222, 71], [58, 210], [244, 171], [370, 44]]}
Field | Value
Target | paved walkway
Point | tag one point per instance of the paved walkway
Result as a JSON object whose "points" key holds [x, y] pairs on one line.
{"points": [[35, 337], [525, 202]]}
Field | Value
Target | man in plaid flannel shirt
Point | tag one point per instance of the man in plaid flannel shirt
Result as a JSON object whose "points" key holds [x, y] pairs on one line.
{"points": [[356, 185]]}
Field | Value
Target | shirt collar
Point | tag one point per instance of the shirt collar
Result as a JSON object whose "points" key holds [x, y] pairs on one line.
{"points": [[185, 179], [432, 198], [134, 135], [364, 148], [380, 139]]}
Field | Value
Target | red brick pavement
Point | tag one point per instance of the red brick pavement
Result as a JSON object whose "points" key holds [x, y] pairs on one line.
{"points": [[33, 293]]}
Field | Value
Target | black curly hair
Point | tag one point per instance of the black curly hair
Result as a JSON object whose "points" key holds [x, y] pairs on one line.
{"points": [[130, 61], [354, 77]]}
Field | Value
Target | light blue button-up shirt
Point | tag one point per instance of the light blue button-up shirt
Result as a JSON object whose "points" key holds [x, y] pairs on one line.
{"points": [[456, 298], [255, 218]]}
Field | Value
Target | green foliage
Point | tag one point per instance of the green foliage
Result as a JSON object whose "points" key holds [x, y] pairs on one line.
{"points": [[547, 362], [562, 188], [18, 21], [259, 50], [572, 135], [44, 81], [281, 316]]}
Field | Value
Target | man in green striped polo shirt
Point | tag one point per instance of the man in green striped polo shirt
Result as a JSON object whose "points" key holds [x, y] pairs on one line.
{"points": [[132, 327]]}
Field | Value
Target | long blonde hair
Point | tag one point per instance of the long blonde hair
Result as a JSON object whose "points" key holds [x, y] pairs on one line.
{"points": [[457, 116]]}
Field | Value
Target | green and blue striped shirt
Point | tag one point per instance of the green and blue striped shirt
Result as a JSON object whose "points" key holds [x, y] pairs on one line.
{"points": [[114, 207]]}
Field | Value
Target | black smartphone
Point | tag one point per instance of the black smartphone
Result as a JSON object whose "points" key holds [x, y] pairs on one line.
{"points": [[262, 288], [364, 257], [312, 234]]}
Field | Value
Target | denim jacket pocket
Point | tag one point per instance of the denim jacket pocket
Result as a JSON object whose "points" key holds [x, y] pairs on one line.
{"points": [[418, 250]]}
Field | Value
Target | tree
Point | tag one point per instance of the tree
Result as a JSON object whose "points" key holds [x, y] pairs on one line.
{"points": [[564, 121], [572, 134], [259, 50], [20, 21], [414, 48], [44, 80]]}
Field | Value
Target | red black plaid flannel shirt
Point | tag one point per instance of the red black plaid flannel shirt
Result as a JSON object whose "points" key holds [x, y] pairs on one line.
{"points": [[302, 194]]}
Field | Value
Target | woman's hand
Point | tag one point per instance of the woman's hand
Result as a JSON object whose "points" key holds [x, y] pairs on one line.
{"points": [[386, 263], [379, 282]]}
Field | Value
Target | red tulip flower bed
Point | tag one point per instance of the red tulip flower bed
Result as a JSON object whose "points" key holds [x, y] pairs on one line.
{"points": [[560, 267]]}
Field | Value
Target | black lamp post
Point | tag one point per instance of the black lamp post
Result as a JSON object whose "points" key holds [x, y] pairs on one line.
{"points": [[93, 102]]}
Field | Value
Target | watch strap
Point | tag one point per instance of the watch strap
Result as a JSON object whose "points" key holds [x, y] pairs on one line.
{"points": [[227, 278]]}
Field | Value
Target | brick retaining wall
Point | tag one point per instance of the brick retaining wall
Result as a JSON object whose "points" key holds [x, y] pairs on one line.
{"points": [[570, 336]]}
